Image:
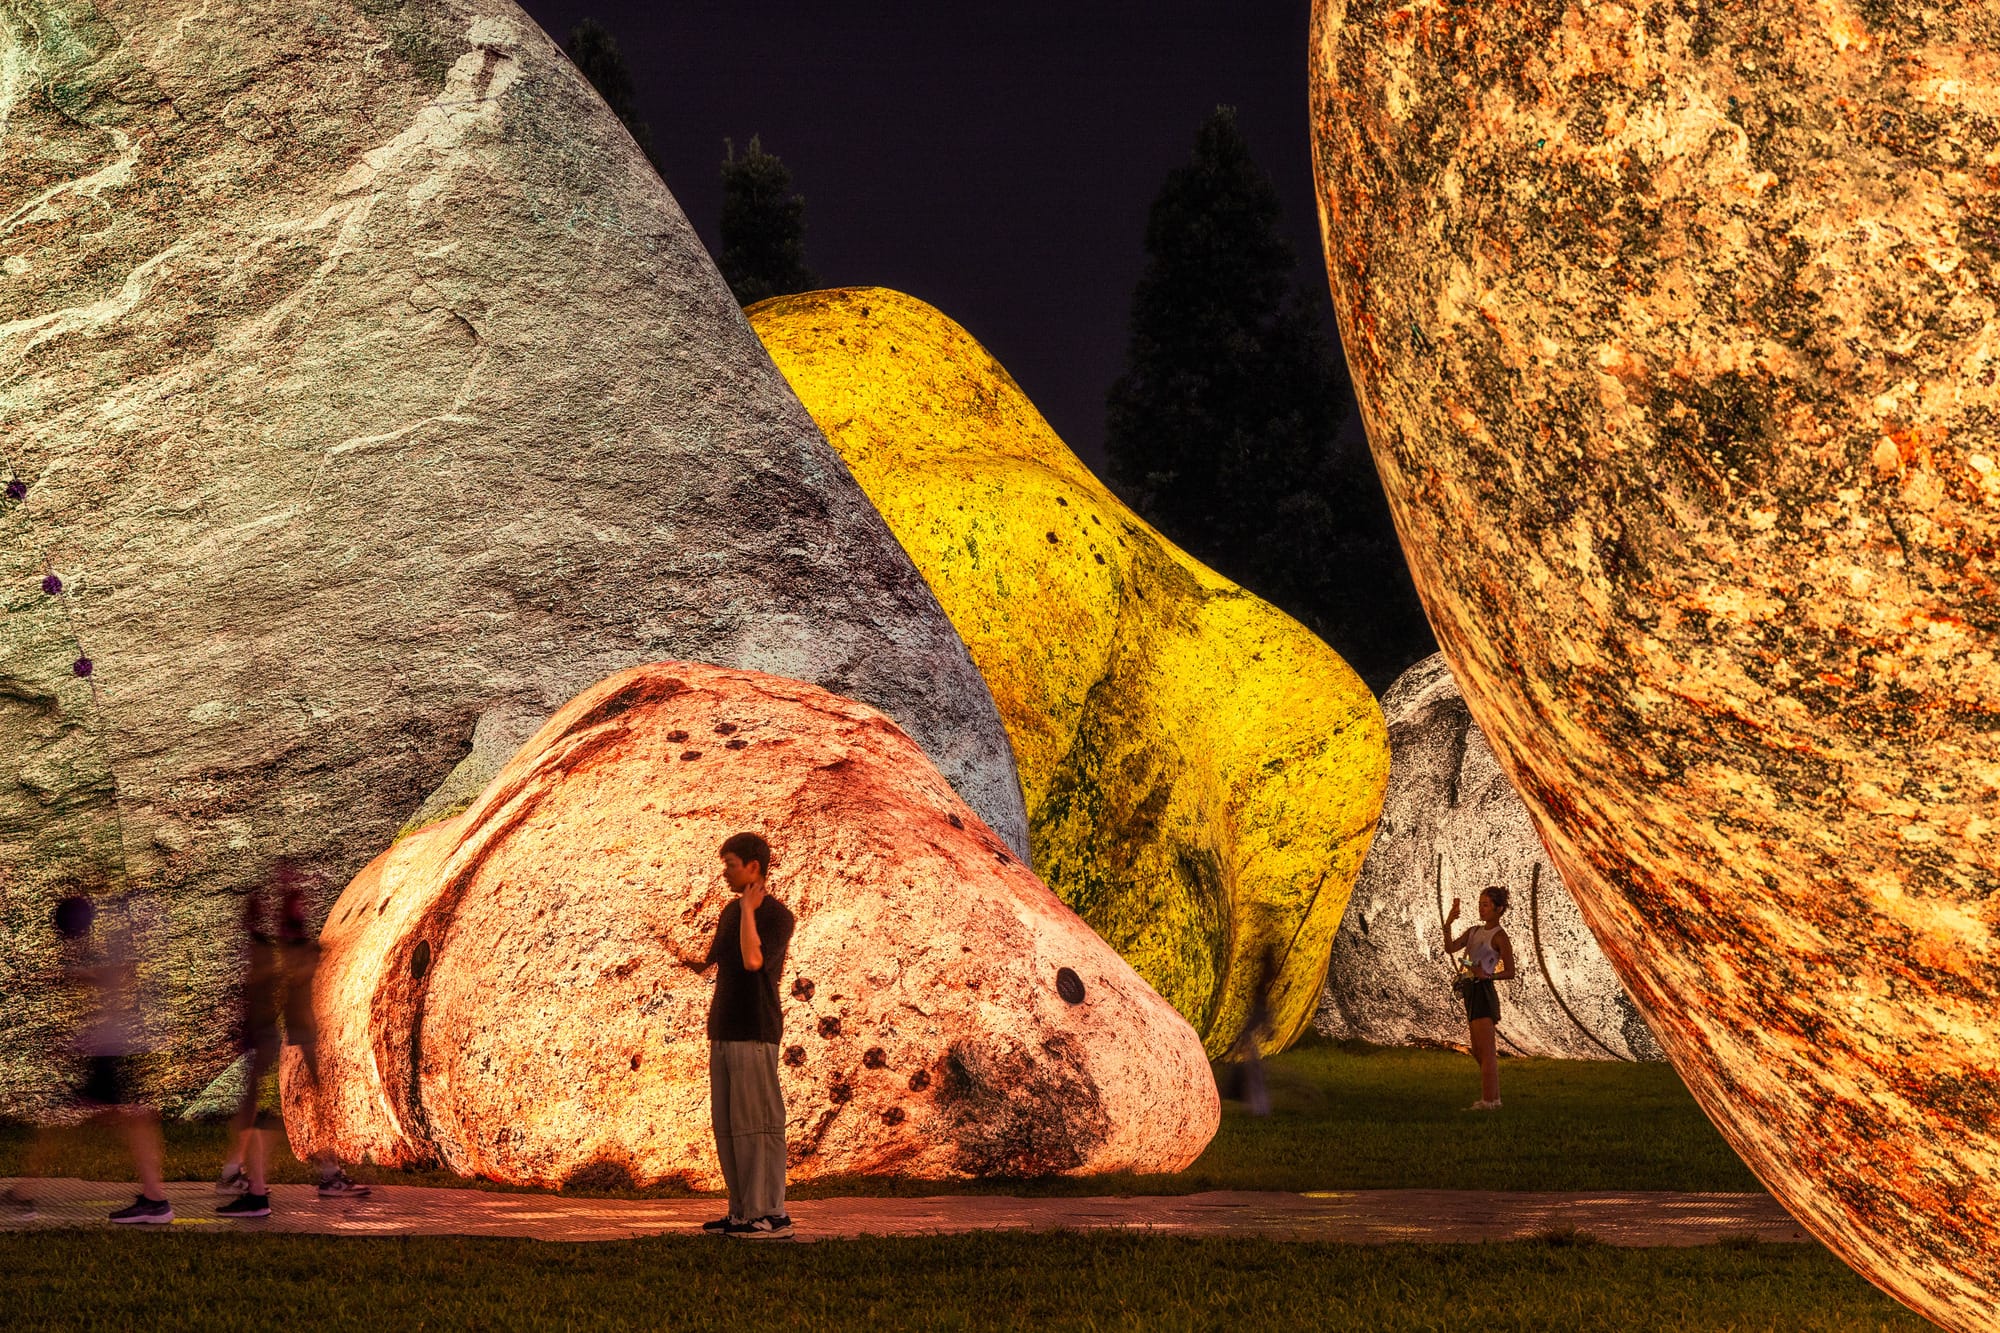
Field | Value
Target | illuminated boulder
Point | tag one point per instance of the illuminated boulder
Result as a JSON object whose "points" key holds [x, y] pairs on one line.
{"points": [[1450, 826], [1202, 774], [1673, 328], [369, 397], [514, 992]]}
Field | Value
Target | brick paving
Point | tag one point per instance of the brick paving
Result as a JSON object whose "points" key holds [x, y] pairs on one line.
{"points": [[1359, 1216]]}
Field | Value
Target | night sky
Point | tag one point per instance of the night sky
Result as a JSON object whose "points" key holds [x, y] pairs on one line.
{"points": [[996, 161]]}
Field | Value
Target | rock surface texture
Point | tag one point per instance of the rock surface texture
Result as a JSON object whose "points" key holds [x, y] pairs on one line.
{"points": [[363, 385], [1674, 330], [515, 992], [1202, 774], [1451, 826]]}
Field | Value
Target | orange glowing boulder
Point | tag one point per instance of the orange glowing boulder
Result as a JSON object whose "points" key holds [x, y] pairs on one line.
{"points": [[514, 992]]}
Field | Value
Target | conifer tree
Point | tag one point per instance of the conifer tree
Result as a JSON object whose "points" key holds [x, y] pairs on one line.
{"points": [[1224, 430], [595, 54], [763, 227]]}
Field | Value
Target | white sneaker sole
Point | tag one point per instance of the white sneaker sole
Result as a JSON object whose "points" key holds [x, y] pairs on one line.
{"points": [[149, 1218]]}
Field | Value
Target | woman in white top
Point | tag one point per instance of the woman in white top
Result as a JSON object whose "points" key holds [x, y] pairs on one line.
{"points": [[1490, 958]]}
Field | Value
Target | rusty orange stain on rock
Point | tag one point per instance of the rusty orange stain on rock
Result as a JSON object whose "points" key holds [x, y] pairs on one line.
{"points": [[516, 993]]}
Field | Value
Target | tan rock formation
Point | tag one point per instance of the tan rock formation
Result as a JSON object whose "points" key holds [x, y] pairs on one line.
{"points": [[1676, 330], [369, 398], [513, 992]]}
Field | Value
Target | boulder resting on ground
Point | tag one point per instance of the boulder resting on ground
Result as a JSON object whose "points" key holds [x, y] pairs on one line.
{"points": [[515, 992], [1451, 826], [367, 397], [1202, 774]]}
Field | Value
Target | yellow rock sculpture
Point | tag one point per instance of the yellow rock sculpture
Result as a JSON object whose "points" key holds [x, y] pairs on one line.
{"points": [[1202, 775]]}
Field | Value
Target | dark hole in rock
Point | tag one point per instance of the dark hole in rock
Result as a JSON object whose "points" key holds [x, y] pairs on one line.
{"points": [[635, 1062], [802, 987], [920, 1080], [1069, 985], [737, 744], [894, 1116], [381, 906], [1100, 558], [1052, 538], [839, 1092], [1061, 501], [420, 960], [972, 985], [1002, 858], [795, 1056], [829, 1026], [724, 728], [875, 1058], [956, 822], [677, 735]]}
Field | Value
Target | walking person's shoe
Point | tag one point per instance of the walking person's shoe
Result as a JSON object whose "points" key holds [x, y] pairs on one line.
{"points": [[233, 1182], [17, 1207], [143, 1209], [339, 1186], [1483, 1105], [720, 1226], [246, 1205], [775, 1227]]}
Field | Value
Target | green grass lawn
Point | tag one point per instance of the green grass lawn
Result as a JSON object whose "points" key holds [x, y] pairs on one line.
{"points": [[1345, 1117], [117, 1280]]}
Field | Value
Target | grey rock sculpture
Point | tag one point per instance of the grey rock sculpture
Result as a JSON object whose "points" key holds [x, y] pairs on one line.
{"points": [[1451, 825], [361, 382]]}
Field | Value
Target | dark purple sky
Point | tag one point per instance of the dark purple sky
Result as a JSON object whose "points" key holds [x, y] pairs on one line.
{"points": [[994, 160]]}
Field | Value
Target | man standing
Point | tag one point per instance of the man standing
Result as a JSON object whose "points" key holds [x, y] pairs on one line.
{"points": [[744, 1029]]}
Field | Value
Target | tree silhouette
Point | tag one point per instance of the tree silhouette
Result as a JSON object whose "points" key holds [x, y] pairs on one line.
{"points": [[763, 227], [1225, 430], [595, 53]]}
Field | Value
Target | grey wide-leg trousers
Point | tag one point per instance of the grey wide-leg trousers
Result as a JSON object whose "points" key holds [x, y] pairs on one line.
{"points": [[749, 1114]]}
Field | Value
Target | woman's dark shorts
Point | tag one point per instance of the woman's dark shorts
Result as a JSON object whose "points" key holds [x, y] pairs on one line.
{"points": [[1482, 1001]]}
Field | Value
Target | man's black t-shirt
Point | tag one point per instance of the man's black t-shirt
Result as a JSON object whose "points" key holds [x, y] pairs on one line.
{"points": [[745, 1004]]}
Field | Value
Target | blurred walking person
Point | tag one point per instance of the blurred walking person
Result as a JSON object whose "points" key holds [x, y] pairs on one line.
{"points": [[300, 952], [745, 1025], [1489, 957], [1257, 1025], [104, 979], [244, 1173]]}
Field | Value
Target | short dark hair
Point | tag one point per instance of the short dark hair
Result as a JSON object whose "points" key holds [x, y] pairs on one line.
{"points": [[74, 915], [748, 847], [1498, 895]]}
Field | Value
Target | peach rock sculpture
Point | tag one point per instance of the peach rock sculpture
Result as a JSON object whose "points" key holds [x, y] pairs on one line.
{"points": [[1674, 329], [1202, 774], [515, 993]]}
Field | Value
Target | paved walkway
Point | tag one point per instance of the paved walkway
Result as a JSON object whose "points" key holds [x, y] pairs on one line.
{"points": [[1361, 1216]]}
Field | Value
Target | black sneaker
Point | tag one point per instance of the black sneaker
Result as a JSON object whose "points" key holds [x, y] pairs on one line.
{"points": [[775, 1227], [143, 1209], [719, 1225], [246, 1205]]}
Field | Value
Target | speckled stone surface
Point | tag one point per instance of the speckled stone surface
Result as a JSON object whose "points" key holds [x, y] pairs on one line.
{"points": [[1451, 825], [370, 397], [1202, 773], [520, 992], [1674, 330]]}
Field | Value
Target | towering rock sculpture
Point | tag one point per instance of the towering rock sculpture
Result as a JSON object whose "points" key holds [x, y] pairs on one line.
{"points": [[365, 391], [1202, 774], [518, 992], [1674, 329], [1451, 826]]}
